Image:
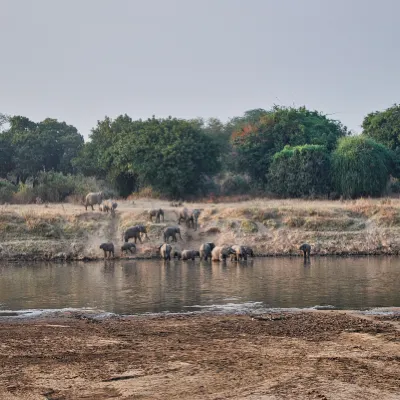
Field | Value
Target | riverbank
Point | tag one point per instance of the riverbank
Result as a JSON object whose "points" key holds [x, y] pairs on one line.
{"points": [[305, 355], [273, 228]]}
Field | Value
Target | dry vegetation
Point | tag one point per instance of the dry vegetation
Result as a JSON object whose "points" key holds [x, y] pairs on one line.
{"points": [[271, 227]]}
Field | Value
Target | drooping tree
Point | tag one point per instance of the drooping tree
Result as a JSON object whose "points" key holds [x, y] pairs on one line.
{"points": [[300, 171], [361, 167]]}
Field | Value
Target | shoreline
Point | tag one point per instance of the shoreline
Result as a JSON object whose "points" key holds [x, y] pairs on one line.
{"points": [[302, 355]]}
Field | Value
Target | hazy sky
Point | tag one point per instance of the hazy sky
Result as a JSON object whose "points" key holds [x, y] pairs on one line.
{"points": [[79, 60]]}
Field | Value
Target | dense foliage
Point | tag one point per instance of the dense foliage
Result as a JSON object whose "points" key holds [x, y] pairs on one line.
{"points": [[268, 132], [361, 167], [384, 127], [286, 151], [301, 171], [173, 156]]}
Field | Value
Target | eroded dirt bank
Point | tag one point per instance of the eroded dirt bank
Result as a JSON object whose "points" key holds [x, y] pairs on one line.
{"points": [[309, 355], [271, 227]]}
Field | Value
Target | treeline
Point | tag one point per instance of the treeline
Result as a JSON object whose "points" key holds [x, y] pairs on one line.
{"points": [[283, 152]]}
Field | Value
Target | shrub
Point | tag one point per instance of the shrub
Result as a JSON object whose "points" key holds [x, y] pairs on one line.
{"points": [[235, 184], [361, 167], [7, 190], [301, 171]]}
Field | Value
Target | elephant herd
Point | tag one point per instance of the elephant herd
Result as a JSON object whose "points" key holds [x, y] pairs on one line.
{"points": [[206, 251]]}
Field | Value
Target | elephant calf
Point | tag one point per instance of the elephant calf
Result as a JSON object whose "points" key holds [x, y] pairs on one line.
{"points": [[306, 249], [249, 251], [131, 247], [157, 214], [172, 231], [190, 254], [205, 250], [107, 248], [165, 251], [177, 254], [220, 253]]}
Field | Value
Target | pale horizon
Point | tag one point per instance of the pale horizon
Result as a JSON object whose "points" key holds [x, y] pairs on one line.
{"points": [[80, 61]]}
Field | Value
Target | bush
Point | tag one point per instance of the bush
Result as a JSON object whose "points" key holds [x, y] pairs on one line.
{"points": [[361, 167], [235, 184], [301, 171], [7, 190]]}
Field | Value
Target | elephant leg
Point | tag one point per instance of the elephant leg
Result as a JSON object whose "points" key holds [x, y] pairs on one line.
{"points": [[92, 207]]}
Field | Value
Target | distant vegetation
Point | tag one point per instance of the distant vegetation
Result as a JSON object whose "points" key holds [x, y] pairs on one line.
{"points": [[281, 152]]}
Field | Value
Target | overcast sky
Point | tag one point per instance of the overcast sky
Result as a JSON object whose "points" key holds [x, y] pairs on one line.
{"points": [[79, 60]]}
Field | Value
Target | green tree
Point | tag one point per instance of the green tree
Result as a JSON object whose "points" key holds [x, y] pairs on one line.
{"points": [[255, 143], [361, 167], [301, 171], [384, 127], [49, 145]]}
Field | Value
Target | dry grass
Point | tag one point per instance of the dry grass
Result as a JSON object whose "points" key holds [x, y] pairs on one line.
{"points": [[271, 227]]}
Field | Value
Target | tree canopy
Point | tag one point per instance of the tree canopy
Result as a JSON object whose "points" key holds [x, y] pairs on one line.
{"points": [[261, 134]]}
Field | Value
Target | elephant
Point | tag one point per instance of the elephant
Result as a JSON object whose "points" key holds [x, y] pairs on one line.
{"points": [[165, 251], [93, 198], [156, 213], [249, 251], [205, 250], [193, 218], [240, 253], [177, 254], [172, 231], [107, 248], [183, 215], [135, 232], [220, 253], [131, 247], [190, 254], [306, 249], [103, 207]]}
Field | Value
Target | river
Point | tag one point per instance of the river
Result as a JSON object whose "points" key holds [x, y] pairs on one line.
{"points": [[138, 286]]}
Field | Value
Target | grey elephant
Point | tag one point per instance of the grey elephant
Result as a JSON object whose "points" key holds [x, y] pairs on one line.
{"points": [[165, 251], [172, 231], [183, 215], [193, 218], [135, 232], [189, 254], [306, 249], [157, 213], [92, 199], [220, 253], [249, 251], [205, 250], [131, 247], [240, 253], [107, 248], [177, 254]]}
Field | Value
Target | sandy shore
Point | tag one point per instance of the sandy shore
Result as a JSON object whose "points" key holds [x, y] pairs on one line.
{"points": [[307, 355]]}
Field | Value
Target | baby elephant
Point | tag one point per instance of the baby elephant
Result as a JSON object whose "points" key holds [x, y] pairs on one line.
{"points": [[131, 247], [190, 254], [177, 254], [107, 248], [306, 249]]}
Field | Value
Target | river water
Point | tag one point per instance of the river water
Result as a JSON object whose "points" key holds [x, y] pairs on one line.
{"points": [[132, 287]]}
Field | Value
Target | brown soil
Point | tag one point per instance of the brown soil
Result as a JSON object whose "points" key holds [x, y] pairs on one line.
{"points": [[310, 355]]}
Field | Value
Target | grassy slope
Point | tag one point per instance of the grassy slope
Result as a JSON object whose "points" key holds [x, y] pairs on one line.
{"points": [[60, 231]]}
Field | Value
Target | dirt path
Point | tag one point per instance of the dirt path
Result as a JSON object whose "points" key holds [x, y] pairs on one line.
{"points": [[313, 355]]}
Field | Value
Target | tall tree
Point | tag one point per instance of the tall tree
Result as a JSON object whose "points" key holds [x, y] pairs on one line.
{"points": [[255, 143]]}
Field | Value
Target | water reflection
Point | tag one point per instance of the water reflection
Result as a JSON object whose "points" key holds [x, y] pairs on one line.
{"points": [[152, 286]]}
